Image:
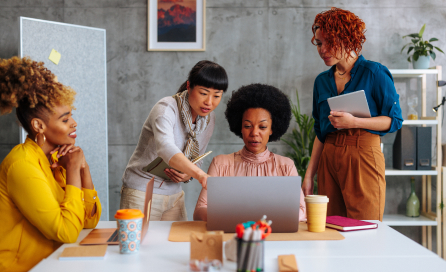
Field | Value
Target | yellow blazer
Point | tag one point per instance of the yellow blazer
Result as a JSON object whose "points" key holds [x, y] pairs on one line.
{"points": [[38, 211]]}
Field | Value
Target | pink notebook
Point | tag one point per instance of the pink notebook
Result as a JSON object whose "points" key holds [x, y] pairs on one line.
{"points": [[347, 224]]}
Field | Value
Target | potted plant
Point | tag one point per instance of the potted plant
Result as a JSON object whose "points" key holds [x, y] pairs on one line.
{"points": [[422, 50], [301, 141]]}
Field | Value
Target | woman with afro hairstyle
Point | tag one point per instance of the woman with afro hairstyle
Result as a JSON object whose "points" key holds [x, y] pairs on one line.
{"points": [[258, 114], [46, 193], [178, 129], [346, 152]]}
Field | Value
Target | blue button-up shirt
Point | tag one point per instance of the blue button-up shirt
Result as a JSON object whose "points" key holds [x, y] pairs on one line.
{"points": [[372, 77]]}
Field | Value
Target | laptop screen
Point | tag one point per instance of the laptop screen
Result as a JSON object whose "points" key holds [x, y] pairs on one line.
{"points": [[234, 200]]}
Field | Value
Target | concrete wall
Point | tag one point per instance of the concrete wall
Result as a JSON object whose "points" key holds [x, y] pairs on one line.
{"points": [[256, 41]]}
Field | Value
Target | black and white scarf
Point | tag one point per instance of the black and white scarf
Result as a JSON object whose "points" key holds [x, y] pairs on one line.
{"points": [[192, 148]]}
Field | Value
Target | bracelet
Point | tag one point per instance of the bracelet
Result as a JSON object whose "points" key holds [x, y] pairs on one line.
{"points": [[187, 181]]}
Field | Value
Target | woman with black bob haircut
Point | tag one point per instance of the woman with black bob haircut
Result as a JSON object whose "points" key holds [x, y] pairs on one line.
{"points": [[258, 114], [178, 130]]}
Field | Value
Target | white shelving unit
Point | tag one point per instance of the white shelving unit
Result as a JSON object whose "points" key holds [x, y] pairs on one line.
{"points": [[414, 72], [402, 220], [428, 218], [420, 122], [396, 172]]}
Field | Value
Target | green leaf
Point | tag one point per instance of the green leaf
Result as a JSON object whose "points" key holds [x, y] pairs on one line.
{"points": [[405, 47], [432, 54], [439, 49], [415, 56], [422, 31], [410, 49], [418, 48], [408, 59], [430, 46], [413, 35], [433, 40], [291, 145], [301, 138], [414, 41]]}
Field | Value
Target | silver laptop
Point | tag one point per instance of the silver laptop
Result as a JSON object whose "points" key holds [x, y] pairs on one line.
{"points": [[234, 200], [354, 103]]}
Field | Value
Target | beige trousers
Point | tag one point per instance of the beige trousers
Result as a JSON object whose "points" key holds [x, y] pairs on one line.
{"points": [[164, 207]]}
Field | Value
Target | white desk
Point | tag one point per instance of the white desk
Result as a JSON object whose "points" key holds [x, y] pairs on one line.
{"points": [[383, 249]]}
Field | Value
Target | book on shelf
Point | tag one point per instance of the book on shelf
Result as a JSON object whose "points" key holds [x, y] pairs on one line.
{"points": [[157, 166], [348, 224]]}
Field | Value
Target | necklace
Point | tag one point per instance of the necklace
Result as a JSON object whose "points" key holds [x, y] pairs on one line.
{"points": [[340, 75]]}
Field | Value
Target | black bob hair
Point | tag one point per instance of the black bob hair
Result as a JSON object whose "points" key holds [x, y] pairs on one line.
{"points": [[259, 96], [207, 74]]}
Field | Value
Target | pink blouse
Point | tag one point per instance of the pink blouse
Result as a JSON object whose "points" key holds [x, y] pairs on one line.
{"points": [[246, 164]]}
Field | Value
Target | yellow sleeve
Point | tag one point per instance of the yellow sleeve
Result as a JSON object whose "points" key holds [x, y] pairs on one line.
{"points": [[90, 199], [30, 190]]}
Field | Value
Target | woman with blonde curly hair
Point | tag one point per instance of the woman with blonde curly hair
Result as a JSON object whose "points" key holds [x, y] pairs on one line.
{"points": [[46, 193], [346, 152]]}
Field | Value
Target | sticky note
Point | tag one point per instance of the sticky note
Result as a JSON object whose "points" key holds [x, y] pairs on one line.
{"points": [[54, 56]]}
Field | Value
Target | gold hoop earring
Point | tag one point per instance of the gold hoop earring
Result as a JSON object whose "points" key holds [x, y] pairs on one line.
{"points": [[44, 139]]}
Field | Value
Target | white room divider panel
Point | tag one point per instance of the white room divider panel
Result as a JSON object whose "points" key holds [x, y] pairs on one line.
{"points": [[82, 66]]}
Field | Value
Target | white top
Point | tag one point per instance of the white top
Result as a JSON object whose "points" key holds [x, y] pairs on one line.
{"points": [[163, 135], [381, 249]]}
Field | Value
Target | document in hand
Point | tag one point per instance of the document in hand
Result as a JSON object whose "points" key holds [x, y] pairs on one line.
{"points": [[354, 103], [347, 224], [157, 166]]}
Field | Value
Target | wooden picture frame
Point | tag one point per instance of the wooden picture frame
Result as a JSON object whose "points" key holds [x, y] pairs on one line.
{"points": [[176, 25]]}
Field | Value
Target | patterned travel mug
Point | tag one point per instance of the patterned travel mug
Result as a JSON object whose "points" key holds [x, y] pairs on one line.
{"points": [[129, 230]]}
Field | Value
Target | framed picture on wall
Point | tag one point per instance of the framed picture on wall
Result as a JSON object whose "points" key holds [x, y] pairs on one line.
{"points": [[176, 25]]}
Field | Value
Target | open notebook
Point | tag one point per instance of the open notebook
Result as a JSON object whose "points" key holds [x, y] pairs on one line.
{"points": [[157, 166]]}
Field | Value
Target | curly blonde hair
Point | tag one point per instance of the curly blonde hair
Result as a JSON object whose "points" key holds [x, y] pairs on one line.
{"points": [[31, 88]]}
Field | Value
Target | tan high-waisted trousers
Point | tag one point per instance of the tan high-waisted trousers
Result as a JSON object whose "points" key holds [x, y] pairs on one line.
{"points": [[351, 173], [164, 207]]}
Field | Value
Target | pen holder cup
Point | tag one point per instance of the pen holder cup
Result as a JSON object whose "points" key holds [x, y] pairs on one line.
{"points": [[250, 255]]}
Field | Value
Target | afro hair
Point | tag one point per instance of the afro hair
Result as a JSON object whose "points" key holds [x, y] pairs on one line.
{"points": [[259, 96]]}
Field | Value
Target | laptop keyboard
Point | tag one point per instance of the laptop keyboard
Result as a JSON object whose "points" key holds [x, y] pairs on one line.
{"points": [[114, 237]]}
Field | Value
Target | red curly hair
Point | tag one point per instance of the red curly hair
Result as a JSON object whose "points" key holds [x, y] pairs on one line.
{"points": [[342, 30]]}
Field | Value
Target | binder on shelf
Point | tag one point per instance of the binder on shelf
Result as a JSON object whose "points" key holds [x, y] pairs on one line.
{"points": [[424, 145], [404, 149]]}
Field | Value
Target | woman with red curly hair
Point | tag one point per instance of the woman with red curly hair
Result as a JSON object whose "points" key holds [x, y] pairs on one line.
{"points": [[346, 152], [46, 192]]}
